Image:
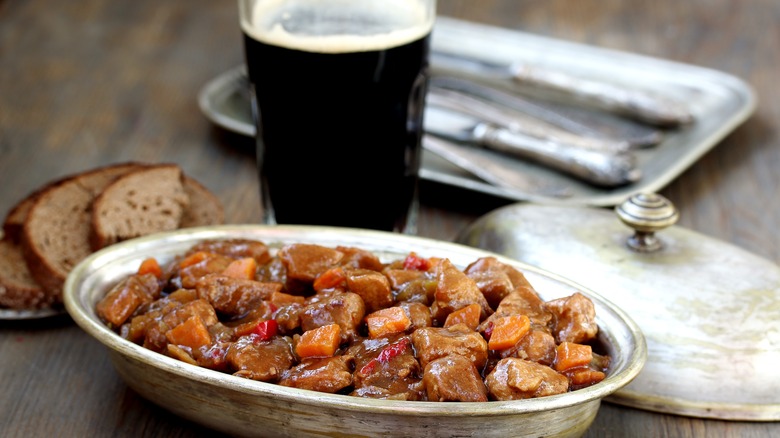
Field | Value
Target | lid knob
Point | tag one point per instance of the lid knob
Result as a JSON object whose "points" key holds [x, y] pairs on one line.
{"points": [[646, 213]]}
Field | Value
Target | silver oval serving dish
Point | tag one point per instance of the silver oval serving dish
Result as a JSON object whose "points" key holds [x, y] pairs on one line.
{"points": [[244, 407]]}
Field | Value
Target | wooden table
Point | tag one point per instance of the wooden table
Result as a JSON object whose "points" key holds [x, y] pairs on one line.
{"points": [[95, 82]]}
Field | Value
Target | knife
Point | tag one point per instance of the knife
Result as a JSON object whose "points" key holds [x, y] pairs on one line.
{"points": [[641, 105], [610, 129], [493, 171], [595, 167], [507, 117]]}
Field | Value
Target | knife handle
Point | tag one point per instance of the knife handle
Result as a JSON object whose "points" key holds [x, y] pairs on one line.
{"points": [[596, 167]]}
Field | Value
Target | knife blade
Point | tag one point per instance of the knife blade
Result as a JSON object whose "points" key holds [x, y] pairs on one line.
{"points": [[492, 171], [609, 128], [518, 122], [643, 105], [595, 167]]}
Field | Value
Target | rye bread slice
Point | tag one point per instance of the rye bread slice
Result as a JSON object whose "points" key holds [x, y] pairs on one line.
{"points": [[205, 208], [18, 290], [14, 220], [142, 202], [55, 233]]}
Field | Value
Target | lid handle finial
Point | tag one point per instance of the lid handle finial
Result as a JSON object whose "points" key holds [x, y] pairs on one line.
{"points": [[646, 213]]}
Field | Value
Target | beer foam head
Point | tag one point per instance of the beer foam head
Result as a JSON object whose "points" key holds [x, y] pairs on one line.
{"points": [[338, 26]]}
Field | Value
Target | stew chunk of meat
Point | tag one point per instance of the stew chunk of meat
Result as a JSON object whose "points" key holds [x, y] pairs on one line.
{"points": [[330, 374], [453, 378], [432, 343], [455, 291], [575, 319], [514, 379], [387, 368], [496, 280], [260, 360]]}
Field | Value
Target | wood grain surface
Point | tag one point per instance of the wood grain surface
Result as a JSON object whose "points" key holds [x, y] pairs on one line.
{"points": [[92, 82]]}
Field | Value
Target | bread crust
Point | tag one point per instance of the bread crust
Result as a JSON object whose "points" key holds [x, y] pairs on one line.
{"points": [[55, 233], [205, 208], [18, 290], [52, 227]]}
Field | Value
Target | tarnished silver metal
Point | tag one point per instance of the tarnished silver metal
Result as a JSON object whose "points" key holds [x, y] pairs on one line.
{"points": [[244, 407], [709, 309], [608, 169], [646, 106], [492, 171], [500, 115], [647, 213], [615, 133]]}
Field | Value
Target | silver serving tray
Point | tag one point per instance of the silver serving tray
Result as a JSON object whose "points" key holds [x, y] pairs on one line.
{"points": [[719, 102], [244, 407]]}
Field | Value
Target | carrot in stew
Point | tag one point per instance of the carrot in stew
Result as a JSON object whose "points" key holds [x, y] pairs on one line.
{"points": [[192, 333], [193, 259], [508, 330], [570, 355], [244, 268], [150, 266], [333, 277], [121, 302], [387, 321], [468, 315], [320, 342]]}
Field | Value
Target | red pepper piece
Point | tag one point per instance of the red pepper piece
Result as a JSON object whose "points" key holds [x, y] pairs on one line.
{"points": [[265, 330], [386, 355], [488, 331], [416, 263]]}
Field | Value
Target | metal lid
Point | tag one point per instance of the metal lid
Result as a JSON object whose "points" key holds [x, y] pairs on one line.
{"points": [[708, 309]]}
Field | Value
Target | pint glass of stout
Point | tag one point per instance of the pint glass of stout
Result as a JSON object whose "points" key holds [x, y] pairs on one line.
{"points": [[338, 89]]}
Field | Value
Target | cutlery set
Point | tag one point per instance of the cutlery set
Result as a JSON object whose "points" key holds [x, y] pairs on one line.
{"points": [[465, 112]]}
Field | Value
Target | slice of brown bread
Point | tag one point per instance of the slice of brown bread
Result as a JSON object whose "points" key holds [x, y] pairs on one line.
{"points": [[14, 220], [205, 208], [55, 234], [144, 201], [18, 290]]}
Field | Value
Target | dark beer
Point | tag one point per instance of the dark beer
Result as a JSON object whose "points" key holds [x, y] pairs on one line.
{"points": [[339, 132]]}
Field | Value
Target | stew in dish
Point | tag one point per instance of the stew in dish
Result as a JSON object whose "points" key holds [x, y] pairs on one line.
{"points": [[339, 320]]}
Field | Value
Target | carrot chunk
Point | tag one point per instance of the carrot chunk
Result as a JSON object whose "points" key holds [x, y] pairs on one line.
{"points": [[468, 315], [320, 342], [150, 266], [193, 259], [333, 277], [570, 355], [192, 333], [508, 330], [387, 321], [244, 268]]}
